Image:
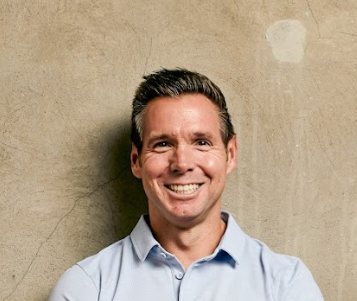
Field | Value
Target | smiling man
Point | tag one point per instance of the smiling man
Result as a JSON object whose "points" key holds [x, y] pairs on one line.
{"points": [[185, 248]]}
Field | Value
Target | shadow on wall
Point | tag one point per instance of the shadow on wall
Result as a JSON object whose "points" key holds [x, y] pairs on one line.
{"points": [[123, 191], [105, 214]]}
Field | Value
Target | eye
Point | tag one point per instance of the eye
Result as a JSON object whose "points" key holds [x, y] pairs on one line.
{"points": [[203, 142], [161, 144]]}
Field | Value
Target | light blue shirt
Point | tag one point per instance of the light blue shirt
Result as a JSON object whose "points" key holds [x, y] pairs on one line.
{"points": [[137, 268]]}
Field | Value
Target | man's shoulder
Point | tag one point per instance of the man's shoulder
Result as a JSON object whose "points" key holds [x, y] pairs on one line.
{"points": [[83, 281], [250, 250], [286, 271], [260, 248], [254, 254], [105, 257], [264, 255]]}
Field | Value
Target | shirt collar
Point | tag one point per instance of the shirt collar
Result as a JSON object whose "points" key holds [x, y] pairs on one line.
{"points": [[232, 241], [142, 238]]}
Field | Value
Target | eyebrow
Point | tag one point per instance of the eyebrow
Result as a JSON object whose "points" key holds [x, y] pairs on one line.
{"points": [[202, 134]]}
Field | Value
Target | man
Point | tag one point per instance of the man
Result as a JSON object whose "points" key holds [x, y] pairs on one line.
{"points": [[185, 248]]}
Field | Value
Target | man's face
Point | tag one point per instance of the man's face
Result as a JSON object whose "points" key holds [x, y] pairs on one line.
{"points": [[184, 162]]}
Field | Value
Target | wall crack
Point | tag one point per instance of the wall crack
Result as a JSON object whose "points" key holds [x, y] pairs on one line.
{"points": [[99, 187], [313, 15]]}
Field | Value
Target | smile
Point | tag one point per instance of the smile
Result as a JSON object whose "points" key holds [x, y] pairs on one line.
{"points": [[184, 189]]}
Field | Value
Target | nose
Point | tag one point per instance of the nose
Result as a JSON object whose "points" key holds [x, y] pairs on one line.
{"points": [[182, 160]]}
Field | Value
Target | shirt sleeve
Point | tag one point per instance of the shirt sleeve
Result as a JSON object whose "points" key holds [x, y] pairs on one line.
{"points": [[74, 285], [298, 284]]}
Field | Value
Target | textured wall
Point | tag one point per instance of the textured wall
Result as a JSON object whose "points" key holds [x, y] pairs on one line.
{"points": [[68, 73]]}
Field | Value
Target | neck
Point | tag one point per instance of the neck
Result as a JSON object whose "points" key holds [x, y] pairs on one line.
{"points": [[189, 244]]}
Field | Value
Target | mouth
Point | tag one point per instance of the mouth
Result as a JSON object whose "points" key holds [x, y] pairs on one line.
{"points": [[184, 189]]}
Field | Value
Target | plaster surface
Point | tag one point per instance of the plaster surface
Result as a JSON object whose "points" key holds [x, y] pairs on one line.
{"points": [[68, 73], [287, 39]]}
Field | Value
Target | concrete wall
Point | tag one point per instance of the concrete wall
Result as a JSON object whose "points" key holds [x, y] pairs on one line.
{"points": [[68, 74]]}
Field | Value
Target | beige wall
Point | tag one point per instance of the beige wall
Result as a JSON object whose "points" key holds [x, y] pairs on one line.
{"points": [[68, 73]]}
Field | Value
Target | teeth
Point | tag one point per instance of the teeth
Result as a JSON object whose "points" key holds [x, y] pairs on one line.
{"points": [[184, 189]]}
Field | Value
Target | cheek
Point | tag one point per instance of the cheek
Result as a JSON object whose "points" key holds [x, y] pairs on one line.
{"points": [[213, 165], [214, 168], [154, 167]]}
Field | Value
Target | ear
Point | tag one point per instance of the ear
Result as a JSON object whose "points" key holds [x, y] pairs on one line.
{"points": [[135, 161], [232, 150]]}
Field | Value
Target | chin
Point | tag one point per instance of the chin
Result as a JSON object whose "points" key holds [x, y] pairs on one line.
{"points": [[186, 216]]}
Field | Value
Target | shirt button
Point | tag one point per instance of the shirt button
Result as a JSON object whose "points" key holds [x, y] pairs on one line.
{"points": [[179, 276], [163, 255]]}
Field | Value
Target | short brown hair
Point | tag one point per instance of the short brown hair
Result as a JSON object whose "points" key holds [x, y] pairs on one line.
{"points": [[175, 82]]}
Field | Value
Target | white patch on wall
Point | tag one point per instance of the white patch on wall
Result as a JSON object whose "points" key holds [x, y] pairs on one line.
{"points": [[287, 39]]}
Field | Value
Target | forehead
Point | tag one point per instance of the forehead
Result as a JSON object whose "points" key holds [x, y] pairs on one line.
{"points": [[194, 111]]}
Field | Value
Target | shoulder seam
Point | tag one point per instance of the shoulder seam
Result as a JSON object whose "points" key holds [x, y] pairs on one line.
{"points": [[88, 277]]}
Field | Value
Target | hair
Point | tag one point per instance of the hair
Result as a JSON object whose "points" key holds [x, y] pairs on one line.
{"points": [[175, 82]]}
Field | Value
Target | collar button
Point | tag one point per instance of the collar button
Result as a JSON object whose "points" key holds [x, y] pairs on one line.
{"points": [[179, 276]]}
